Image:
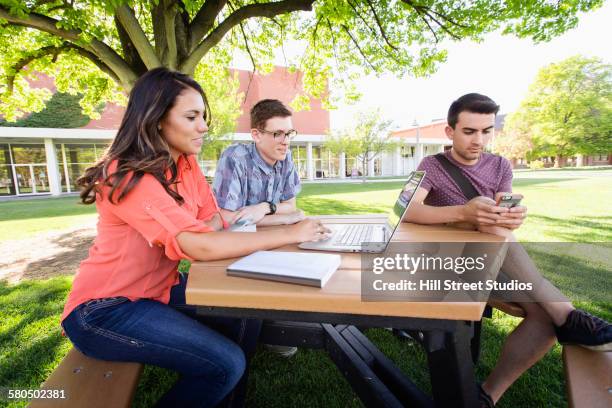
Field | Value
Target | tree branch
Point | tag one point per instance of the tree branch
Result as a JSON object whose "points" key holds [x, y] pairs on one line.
{"points": [[428, 25], [345, 28], [246, 44], [375, 33], [130, 54], [96, 47], [10, 78], [204, 20], [54, 50], [426, 11], [243, 13], [169, 18], [131, 25], [252, 74], [380, 27]]}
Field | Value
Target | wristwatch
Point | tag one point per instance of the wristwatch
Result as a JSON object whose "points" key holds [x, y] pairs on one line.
{"points": [[272, 207]]}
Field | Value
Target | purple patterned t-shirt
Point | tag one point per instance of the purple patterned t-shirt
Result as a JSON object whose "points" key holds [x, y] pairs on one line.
{"points": [[492, 174]]}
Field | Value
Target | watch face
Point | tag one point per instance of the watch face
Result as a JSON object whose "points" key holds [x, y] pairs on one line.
{"points": [[272, 208]]}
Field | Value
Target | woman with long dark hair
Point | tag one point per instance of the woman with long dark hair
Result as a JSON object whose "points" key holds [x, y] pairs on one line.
{"points": [[155, 208]]}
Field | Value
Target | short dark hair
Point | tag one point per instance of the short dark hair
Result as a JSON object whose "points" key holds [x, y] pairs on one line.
{"points": [[472, 102], [267, 109]]}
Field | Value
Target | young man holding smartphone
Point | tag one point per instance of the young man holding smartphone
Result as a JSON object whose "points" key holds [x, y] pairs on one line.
{"points": [[442, 198]]}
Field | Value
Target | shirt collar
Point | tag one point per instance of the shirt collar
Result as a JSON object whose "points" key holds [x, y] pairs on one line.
{"points": [[260, 162]]}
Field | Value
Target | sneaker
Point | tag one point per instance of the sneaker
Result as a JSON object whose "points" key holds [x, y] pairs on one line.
{"points": [[283, 351], [484, 399], [586, 330]]}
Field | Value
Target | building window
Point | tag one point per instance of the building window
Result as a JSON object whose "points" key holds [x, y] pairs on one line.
{"points": [[29, 154], [298, 155], [407, 151], [7, 183], [74, 159]]}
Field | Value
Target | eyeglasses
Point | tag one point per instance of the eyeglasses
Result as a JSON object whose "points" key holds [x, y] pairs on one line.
{"points": [[279, 135]]}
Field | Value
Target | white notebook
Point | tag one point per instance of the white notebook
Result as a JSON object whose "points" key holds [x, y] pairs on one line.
{"points": [[312, 269]]}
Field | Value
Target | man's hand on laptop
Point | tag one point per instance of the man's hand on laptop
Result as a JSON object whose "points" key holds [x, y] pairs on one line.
{"points": [[255, 212], [482, 211], [309, 230]]}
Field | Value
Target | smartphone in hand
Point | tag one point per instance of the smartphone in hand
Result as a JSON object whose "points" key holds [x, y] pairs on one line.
{"points": [[509, 200]]}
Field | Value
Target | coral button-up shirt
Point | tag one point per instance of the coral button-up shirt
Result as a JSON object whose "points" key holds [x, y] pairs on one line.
{"points": [[135, 253]]}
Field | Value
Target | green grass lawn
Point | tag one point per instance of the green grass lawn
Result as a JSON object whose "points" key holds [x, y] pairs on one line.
{"points": [[569, 209], [26, 218]]}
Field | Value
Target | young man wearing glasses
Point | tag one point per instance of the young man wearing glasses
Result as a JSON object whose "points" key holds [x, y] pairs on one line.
{"points": [[258, 181]]}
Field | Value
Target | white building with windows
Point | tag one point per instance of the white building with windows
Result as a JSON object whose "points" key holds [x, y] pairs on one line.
{"points": [[36, 161]]}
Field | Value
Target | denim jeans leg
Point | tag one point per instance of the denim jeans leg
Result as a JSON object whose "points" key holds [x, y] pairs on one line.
{"points": [[153, 333], [245, 332]]}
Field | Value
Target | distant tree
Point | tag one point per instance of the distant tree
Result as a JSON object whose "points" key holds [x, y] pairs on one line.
{"points": [[61, 111], [514, 142], [568, 109], [366, 140]]}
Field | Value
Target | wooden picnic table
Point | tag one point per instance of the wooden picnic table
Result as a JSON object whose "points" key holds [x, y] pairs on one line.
{"points": [[329, 318]]}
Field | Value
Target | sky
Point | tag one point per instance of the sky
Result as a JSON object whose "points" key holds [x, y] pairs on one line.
{"points": [[501, 67]]}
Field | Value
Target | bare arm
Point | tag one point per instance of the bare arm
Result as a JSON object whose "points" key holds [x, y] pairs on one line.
{"points": [[286, 207], [209, 246], [286, 213], [478, 211], [426, 214]]}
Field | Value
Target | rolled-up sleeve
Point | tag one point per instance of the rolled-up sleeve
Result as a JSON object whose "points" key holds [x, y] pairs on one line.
{"points": [[156, 216], [431, 171], [292, 181], [227, 185]]}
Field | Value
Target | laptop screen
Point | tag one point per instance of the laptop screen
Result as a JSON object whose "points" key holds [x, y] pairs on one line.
{"points": [[403, 201]]}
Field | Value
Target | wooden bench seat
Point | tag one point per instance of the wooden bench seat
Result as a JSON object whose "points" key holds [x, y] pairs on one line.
{"points": [[588, 377], [91, 383]]}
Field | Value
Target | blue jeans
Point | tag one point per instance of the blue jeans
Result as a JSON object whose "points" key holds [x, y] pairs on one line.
{"points": [[170, 336]]}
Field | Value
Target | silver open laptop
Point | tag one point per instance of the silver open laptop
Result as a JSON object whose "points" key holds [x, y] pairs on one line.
{"points": [[360, 237]]}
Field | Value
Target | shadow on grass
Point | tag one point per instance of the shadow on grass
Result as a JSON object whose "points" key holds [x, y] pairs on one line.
{"points": [[579, 279], [76, 245], [600, 228], [30, 335], [541, 386], [308, 379]]}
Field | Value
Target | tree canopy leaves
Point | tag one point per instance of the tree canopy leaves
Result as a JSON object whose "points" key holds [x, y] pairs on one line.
{"points": [[100, 47]]}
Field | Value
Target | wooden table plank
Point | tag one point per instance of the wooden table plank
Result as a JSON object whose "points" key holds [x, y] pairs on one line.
{"points": [[209, 284]]}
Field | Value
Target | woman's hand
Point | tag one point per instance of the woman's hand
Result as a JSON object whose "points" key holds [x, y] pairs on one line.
{"points": [[309, 230], [215, 222]]}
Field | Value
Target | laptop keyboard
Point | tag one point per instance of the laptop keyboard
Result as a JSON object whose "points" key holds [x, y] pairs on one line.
{"points": [[354, 235]]}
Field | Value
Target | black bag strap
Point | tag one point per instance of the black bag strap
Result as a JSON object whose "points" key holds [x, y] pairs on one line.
{"points": [[456, 174]]}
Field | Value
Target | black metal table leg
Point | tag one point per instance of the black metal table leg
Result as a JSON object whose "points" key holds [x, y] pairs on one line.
{"points": [[451, 368]]}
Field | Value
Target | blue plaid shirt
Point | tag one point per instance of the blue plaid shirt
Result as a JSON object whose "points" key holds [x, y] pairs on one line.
{"points": [[244, 178]]}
